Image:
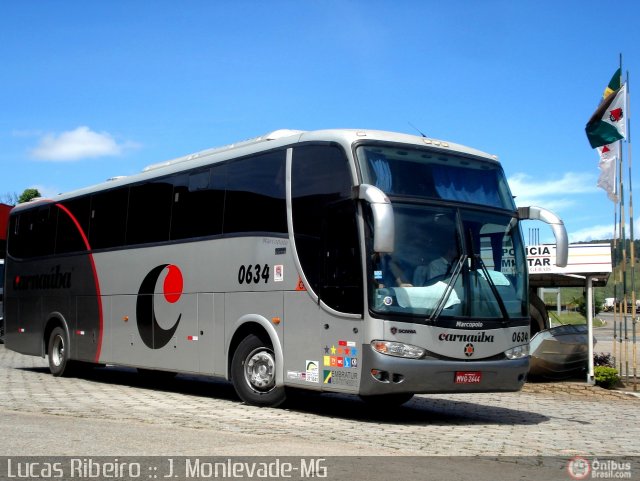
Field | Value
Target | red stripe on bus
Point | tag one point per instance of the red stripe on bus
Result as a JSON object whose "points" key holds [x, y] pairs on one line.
{"points": [[95, 276]]}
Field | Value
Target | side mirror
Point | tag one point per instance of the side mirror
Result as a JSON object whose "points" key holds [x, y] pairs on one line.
{"points": [[559, 230], [383, 223]]}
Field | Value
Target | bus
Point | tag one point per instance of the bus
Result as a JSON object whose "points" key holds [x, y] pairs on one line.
{"points": [[365, 262]]}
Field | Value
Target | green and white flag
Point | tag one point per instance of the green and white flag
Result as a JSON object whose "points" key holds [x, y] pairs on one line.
{"points": [[608, 123], [609, 155], [614, 84]]}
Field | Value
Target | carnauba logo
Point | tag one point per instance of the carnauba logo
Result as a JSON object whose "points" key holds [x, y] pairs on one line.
{"points": [[152, 334], [55, 279], [479, 337]]}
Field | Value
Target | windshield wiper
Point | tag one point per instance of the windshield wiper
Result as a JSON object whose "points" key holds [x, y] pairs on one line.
{"points": [[447, 292], [477, 261]]}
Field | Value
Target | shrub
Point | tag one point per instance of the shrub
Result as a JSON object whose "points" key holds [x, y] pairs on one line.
{"points": [[603, 359], [606, 377]]}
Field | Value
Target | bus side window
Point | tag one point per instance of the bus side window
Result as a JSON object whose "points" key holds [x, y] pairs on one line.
{"points": [[342, 277], [198, 203], [149, 212], [255, 196], [68, 238], [14, 245], [324, 225], [108, 219], [22, 238]]}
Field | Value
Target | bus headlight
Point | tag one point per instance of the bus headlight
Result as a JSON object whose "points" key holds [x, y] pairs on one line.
{"points": [[398, 349], [517, 352]]}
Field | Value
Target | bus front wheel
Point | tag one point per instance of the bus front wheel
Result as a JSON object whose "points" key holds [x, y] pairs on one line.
{"points": [[59, 362], [253, 373]]}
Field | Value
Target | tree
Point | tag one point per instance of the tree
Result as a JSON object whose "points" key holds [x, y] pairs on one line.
{"points": [[581, 304], [27, 195]]}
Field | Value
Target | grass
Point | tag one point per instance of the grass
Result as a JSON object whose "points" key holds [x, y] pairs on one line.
{"points": [[570, 317]]}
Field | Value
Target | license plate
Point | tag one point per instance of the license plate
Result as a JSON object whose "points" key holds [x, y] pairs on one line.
{"points": [[468, 377]]}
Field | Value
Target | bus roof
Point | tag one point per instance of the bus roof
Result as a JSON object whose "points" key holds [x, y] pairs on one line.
{"points": [[271, 140]]}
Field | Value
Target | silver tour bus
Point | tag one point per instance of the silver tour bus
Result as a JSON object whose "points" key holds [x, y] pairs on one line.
{"points": [[355, 261]]}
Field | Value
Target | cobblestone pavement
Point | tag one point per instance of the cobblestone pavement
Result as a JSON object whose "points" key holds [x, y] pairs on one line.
{"points": [[112, 411]]}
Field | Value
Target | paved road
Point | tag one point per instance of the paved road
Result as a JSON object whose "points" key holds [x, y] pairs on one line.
{"points": [[605, 333], [115, 412]]}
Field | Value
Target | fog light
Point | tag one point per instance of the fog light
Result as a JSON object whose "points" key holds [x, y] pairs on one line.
{"points": [[378, 375], [517, 352]]}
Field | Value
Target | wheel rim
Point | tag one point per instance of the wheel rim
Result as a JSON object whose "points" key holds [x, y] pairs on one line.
{"points": [[57, 351], [259, 370]]}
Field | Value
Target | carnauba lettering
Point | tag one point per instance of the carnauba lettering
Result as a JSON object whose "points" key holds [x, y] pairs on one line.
{"points": [[55, 279], [479, 337]]}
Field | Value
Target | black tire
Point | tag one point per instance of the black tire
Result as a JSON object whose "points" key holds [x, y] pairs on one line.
{"points": [[538, 314], [58, 351], [253, 373], [388, 400]]}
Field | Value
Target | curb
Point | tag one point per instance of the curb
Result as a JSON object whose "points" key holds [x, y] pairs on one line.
{"points": [[581, 389]]}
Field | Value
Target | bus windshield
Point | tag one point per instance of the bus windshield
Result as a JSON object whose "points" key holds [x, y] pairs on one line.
{"points": [[459, 262], [450, 262], [401, 171]]}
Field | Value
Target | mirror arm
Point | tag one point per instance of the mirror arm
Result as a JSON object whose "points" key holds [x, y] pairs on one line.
{"points": [[557, 226], [383, 221]]}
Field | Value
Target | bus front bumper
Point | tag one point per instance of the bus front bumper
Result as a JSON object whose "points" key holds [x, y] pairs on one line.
{"points": [[429, 375]]}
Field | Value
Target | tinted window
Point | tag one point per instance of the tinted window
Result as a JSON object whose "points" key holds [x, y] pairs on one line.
{"points": [[198, 203], [32, 233], [68, 237], [149, 212], [15, 244], [324, 225], [255, 200], [108, 218], [425, 173]]}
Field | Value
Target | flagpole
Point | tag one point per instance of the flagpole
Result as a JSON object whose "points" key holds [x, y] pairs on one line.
{"points": [[606, 128], [623, 270], [616, 269], [633, 263], [624, 355]]}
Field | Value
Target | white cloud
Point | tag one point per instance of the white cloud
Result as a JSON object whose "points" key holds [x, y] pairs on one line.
{"points": [[564, 195], [596, 232], [551, 194], [48, 192], [81, 143]]}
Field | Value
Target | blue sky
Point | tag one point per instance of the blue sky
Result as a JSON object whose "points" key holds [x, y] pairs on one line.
{"points": [[91, 90]]}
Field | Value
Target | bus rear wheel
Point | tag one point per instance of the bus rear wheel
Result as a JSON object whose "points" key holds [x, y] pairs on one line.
{"points": [[59, 362], [253, 373]]}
